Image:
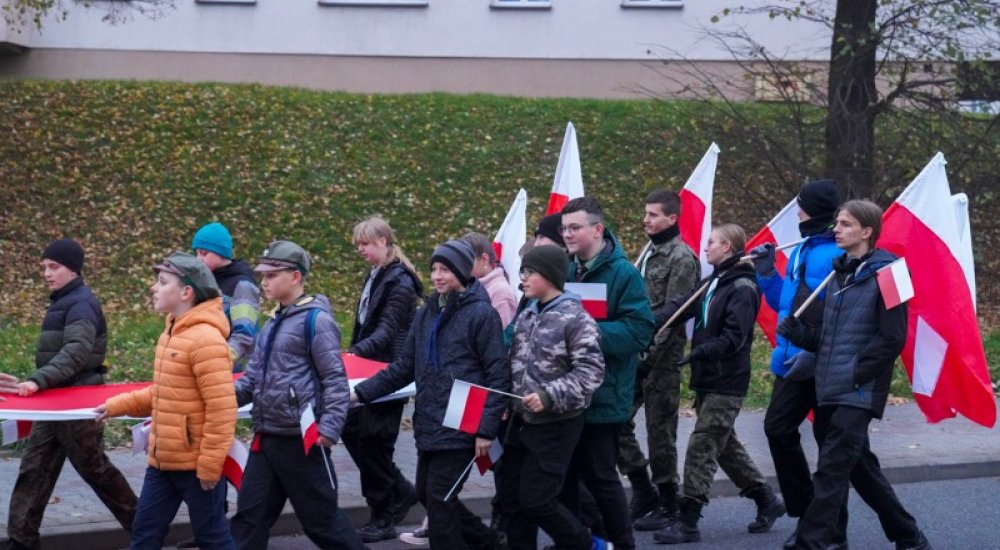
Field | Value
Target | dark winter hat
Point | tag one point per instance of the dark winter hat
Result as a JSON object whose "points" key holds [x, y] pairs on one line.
{"points": [[550, 262], [214, 237], [193, 273], [549, 227], [819, 198], [284, 255], [458, 257], [66, 252]]}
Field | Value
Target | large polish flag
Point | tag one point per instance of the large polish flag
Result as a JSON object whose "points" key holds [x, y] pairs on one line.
{"points": [[235, 463], [944, 350], [510, 238], [465, 407], [15, 430], [696, 206], [568, 183], [783, 228]]}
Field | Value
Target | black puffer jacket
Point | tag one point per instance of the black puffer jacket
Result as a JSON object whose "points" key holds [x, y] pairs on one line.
{"points": [[467, 345], [73, 341], [392, 305], [723, 340]]}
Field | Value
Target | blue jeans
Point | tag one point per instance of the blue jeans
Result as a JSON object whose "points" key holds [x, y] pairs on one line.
{"points": [[161, 496]]}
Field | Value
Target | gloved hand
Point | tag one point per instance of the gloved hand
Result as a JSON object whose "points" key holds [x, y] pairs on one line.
{"points": [[793, 330], [698, 354], [802, 367], [763, 259]]}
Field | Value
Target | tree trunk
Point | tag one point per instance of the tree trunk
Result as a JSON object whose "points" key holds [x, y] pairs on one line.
{"points": [[850, 119]]}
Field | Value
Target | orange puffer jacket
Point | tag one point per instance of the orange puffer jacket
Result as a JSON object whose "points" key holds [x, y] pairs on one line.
{"points": [[191, 400]]}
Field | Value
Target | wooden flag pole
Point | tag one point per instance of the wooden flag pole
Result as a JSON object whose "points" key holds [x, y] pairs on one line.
{"points": [[782, 247], [815, 293], [680, 310]]}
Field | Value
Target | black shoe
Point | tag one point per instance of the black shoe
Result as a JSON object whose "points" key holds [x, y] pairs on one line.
{"points": [[187, 543], [921, 544], [402, 508], [790, 541], [377, 530], [658, 519], [645, 497], [686, 528], [769, 508]]}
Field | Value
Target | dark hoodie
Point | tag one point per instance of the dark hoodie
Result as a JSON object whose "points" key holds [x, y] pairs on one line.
{"points": [[726, 335], [461, 341]]}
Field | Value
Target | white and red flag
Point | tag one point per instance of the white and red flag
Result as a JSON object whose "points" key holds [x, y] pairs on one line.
{"points": [[593, 298], [783, 228], [310, 430], [15, 430], [510, 238], [696, 206], [895, 284], [487, 461], [465, 407], [568, 183], [944, 350], [235, 463]]}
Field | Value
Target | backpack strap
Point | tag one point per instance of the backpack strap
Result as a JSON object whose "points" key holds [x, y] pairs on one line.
{"points": [[310, 328]]}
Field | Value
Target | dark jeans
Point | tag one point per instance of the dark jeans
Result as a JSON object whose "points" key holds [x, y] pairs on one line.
{"points": [[370, 437], [161, 496], [536, 457], [845, 457], [450, 523], [594, 464], [49, 445], [281, 471], [790, 404]]}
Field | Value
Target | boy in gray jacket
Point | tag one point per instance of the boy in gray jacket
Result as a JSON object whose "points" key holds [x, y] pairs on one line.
{"points": [[295, 364], [556, 364]]}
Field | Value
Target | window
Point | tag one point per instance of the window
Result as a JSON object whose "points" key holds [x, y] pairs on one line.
{"points": [[522, 4], [673, 4], [376, 3]]}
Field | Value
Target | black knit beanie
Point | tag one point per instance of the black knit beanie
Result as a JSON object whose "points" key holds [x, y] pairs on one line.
{"points": [[820, 198], [458, 257], [66, 252], [550, 262], [549, 227]]}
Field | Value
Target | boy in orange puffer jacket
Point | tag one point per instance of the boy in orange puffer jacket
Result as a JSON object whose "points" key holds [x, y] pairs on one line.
{"points": [[193, 406]]}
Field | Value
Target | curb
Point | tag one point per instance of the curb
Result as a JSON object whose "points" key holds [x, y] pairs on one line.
{"points": [[110, 535]]}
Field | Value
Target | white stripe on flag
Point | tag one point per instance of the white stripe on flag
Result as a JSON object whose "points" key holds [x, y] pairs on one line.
{"points": [[901, 274], [456, 404]]}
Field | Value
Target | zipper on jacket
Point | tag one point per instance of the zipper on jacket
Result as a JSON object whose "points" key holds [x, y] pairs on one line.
{"points": [[156, 395]]}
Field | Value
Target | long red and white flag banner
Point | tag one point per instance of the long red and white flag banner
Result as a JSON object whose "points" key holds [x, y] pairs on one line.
{"points": [[696, 204], [510, 238], [568, 182], [783, 228], [593, 298], [79, 402]]}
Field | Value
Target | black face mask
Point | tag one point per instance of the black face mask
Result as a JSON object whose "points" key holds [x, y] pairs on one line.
{"points": [[816, 225]]}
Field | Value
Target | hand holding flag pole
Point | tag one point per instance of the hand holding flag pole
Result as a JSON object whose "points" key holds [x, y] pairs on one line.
{"points": [[681, 309], [815, 293], [781, 247]]}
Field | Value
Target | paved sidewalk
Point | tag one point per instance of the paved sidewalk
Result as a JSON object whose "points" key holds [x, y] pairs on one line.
{"points": [[910, 451]]}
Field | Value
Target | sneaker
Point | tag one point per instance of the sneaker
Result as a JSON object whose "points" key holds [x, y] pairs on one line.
{"points": [[187, 543], [418, 537], [377, 530], [601, 544]]}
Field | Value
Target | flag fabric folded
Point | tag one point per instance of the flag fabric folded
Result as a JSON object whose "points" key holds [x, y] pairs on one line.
{"points": [[593, 298], [140, 437], [235, 463], [310, 431], [487, 461], [568, 183], [895, 284], [15, 430], [510, 238], [696, 204], [465, 407]]}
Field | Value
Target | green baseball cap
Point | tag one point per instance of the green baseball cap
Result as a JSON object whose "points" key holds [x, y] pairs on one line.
{"points": [[193, 273], [284, 255]]}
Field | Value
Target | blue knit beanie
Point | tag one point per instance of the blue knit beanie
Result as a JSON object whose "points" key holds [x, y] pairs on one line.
{"points": [[214, 237]]}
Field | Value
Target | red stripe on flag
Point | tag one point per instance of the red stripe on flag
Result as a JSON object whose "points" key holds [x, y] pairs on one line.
{"points": [[23, 429], [232, 471], [310, 437], [598, 309], [473, 412], [359, 367], [887, 284], [693, 220], [767, 318], [556, 203], [498, 250]]}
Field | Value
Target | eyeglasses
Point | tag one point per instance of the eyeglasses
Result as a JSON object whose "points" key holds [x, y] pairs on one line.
{"points": [[571, 229], [526, 272]]}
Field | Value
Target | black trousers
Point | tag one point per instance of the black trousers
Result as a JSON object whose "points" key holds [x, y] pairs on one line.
{"points": [[594, 465], [370, 438], [845, 457], [790, 404], [278, 471], [536, 457], [451, 524]]}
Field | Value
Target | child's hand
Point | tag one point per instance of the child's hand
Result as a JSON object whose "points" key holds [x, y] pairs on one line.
{"points": [[533, 402], [24, 389], [208, 485], [102, 413], [324, 441], [354, 397], [483, 446]]}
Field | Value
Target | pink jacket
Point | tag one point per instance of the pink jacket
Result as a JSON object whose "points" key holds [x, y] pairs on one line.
{"points": [[501, 295]]}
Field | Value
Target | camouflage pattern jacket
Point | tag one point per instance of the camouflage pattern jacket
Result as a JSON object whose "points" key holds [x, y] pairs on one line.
{"points": [[557, 353], [670, 270]]}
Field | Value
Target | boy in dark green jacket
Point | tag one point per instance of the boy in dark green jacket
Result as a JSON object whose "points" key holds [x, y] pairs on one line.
{"points": [[626, 330]]}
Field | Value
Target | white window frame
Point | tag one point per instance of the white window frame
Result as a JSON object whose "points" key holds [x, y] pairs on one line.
{"points": [[521, 4], [654, 4], [376, 3]]}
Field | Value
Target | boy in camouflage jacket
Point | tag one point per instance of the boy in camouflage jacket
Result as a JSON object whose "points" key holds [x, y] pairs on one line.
{"points": [[556, 364]]}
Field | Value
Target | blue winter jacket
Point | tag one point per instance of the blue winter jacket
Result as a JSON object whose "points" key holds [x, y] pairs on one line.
{"points": [[813, 259]]}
